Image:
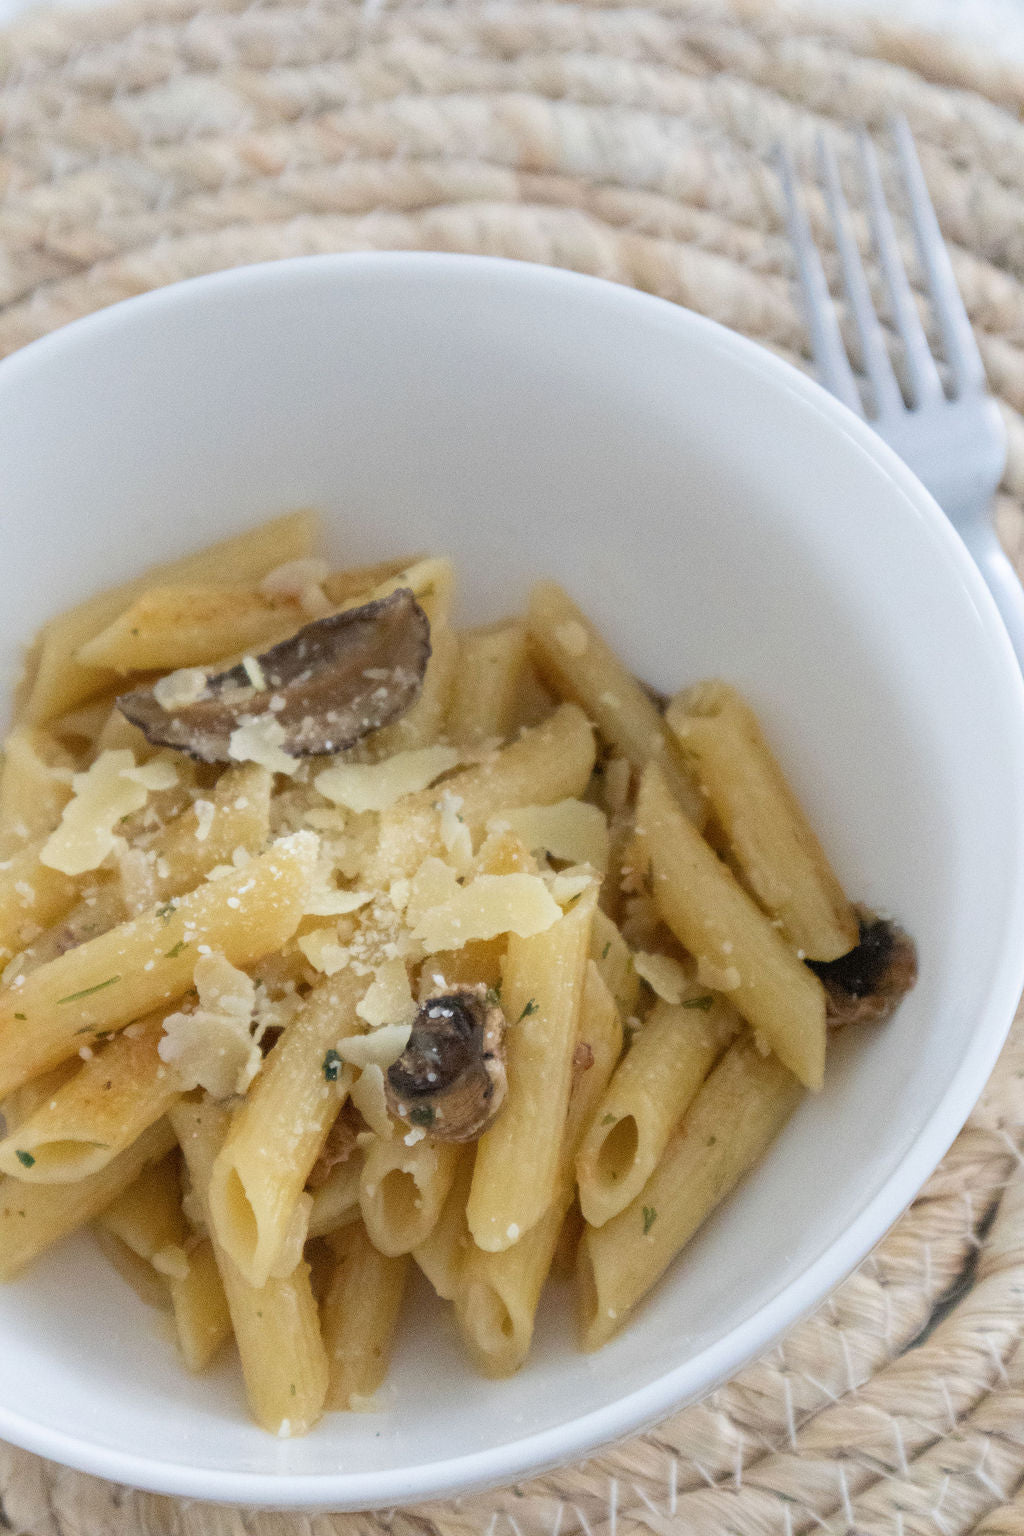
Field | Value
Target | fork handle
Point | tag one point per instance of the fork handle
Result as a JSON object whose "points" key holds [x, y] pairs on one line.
{"points": [[1001, 579]]}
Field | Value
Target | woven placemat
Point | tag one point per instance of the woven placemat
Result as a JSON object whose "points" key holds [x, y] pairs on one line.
{"points": [[157, 139]]}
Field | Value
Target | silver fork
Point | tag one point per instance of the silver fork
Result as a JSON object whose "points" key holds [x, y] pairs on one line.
{"points": [[952, 438]]}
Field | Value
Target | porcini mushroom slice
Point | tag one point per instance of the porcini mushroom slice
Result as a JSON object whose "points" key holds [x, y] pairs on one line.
{"points": [[327, 686], [450, 1079], [865, 985]]}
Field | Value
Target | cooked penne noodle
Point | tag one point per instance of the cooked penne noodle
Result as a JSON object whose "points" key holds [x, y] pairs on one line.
{"points": [[359, 581], [359, 1314], [101, 909], [488, 682], [148, 1285], [276, 1135], [60, 682], [110, 1101], [35, 783], [651, 1089], [441, 1255], [737, 950], [201, 1315], [177, 626], [147, 1216], [767, 833], [734, 1118], [403, 1190], [516, 1171], [611, 954], [105, 984], [550, 763], [32, 896], [497, 1293], [34, 1216], [336, 1201], [276, 1326], [573, 658], [240, 819], [24, 1101]]}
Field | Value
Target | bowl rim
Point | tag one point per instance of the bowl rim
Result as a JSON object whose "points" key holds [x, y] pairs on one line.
{"points": [[530, 1454]]}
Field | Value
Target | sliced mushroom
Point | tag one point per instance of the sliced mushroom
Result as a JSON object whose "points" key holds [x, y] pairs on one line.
{"points": [[867, 984], [326, 687], [450, 1079]]}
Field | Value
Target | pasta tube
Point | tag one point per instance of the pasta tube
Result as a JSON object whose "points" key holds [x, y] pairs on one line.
{"points": [[652, 1087], [497, 1293], [360, 1310], [403, 1190], [573, 658], [107, 982], [144, 1280], [488, 679], [239, 818], [276, 1326], [336, 1201], [110, 1101], [201, 1315], [170, 627], [441, 1255], [32, 896], [516, 1172], [35, 783], [736, 948], [732, 1121], [768, 835], [147, 1216], [34, 1216], [276, 1135]]}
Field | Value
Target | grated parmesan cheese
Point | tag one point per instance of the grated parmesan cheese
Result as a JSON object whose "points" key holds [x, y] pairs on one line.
{"points": [[376, 786], [388, 998], [323, 951], [569, 884], [258, 740], [720, 978], [486, 907], [205, 812], [213, 1047], [180, 689], [110, 790], [433, 884], [381, 1047], [367, 1094], [667, 978], [455, 835], [570, 830], [254, 672]]}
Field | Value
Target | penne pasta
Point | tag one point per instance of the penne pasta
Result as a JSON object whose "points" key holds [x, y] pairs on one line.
{"points": [[734, 1118], [767, 834], [105, 983], [170, 627], [147, 1216], [336, 1200], [441, 1255], [24, 1101], [276, 1326], [60, 683], [403, 1190], [148, 1285], [35, 784], [516, 1171], [275, 1137], [360, 1311], [35, 1216], [577, 663], [488, 683], [201, 1315], [649, 1092], [736, 948], [87, 1122], [611, 954], [32, 896], [235, 817]]}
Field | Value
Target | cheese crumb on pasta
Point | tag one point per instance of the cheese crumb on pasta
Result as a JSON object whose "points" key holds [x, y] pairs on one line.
{"points": [[570, 830], [258, 740], [213, 1046], [376, 786], [486, 907], [179, 689], [388, 999], [108, 792], [381, 1047]]}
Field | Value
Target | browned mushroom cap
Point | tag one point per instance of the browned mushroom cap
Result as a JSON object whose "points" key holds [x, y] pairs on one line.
{"points": [[866, 985], [327, 686], [450, 1079]]}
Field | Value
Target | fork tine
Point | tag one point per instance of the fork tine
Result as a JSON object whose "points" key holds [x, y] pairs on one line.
{"points": [[925, 384], [888, 399], [958, 341], [827, 347]]}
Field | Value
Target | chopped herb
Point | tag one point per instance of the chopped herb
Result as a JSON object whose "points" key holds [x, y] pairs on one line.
{"points": [[133, 631], [650, 1217], [166, 910], [460, 818], [21, 1015], [609, 1119], [711, 1141], [293, 1389], [604, 952], [492, 996], [703, 1003], [172, 954], [73, 997], [25, 1159], [332, 1066], [422, 1114], [531, 1007]]}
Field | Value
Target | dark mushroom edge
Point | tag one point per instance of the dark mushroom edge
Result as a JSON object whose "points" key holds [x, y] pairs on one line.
{"points": [[327, 686], [867, 984], [450, 1079]]}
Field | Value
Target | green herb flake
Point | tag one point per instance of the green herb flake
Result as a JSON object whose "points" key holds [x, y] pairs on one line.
{"points": [[609, 1119], [332, 1066], [172, 954], [703, 1003], [21, 1015], [650, 1217], [604, 952], [532, 1007], [73, 997], [167, 910], [293, 1389], [422, 1114], [25, 1159]]}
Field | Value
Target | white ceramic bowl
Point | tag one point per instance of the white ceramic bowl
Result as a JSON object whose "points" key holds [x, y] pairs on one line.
{"points": [[718, 514]]}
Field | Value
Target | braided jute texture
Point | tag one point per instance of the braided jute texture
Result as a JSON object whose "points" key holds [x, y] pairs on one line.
{"points": [[158, 139]]}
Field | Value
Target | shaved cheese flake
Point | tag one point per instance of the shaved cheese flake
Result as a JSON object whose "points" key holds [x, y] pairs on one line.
{"points": [[328, 901], [302, 582], [667, 978], [110, 790], [323, 951], [486, 907], [388, 998], [180, 689], [376, 786], [434, 883], [381, 1047], [569, 884], [254, 672], [570, 830], [455, 836], [258, 740], [213, 1047], [205, 811], [367, 1094]]}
